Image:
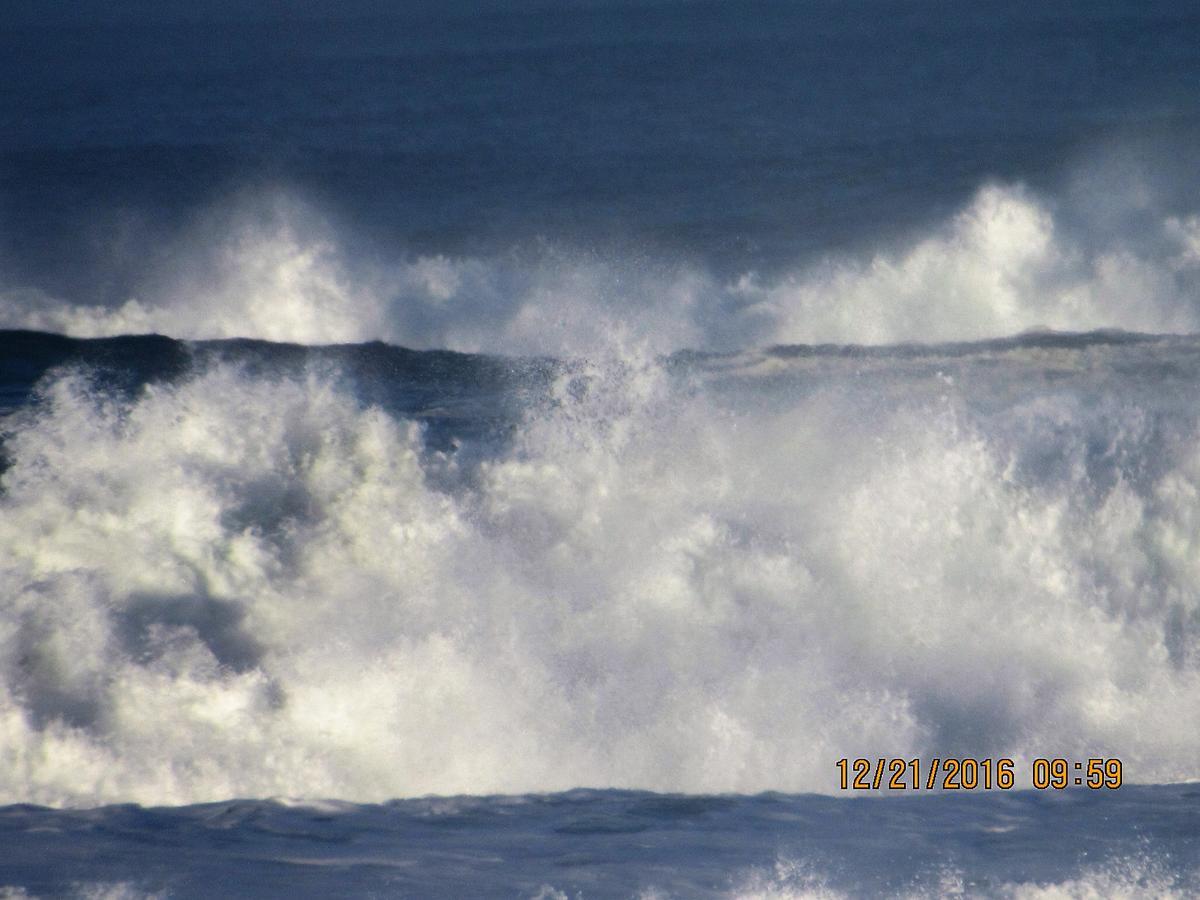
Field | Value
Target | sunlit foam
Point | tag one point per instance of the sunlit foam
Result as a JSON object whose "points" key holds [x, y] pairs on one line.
{"points": [[238, 586], [1003, 265]]}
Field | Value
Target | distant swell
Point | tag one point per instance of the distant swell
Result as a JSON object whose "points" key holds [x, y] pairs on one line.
{"points": [[369, 573]]}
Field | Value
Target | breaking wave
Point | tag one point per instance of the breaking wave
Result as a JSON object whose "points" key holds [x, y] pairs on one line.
{"points": [[1010, 261], [696, 574]]}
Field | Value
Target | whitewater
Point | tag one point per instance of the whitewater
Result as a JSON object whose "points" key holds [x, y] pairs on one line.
{"points": [[270, 265], [240, 567], [364, 572]]}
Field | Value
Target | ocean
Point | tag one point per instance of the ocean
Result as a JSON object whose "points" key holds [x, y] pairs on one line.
{"points": [[600, 449]]}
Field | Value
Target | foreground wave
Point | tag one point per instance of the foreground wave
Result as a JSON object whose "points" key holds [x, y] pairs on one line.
{"points": [[243, 569]]}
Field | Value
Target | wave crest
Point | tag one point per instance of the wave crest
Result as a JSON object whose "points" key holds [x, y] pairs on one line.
{"points": [[1001, 266]]}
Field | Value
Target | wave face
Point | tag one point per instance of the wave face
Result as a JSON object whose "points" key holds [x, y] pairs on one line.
{"points": [[241, 569], [272, 268]]}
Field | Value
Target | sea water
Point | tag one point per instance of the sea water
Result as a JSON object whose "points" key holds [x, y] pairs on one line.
{"points": [[519, 451]]}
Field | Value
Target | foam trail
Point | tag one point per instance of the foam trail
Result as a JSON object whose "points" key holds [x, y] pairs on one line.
{"points": [[241, 585], [1003, 265], [94, 891], [1120, 879]]}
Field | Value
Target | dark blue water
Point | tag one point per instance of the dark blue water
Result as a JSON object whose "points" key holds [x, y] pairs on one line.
{"points": [[744, 135], [620, 844]]}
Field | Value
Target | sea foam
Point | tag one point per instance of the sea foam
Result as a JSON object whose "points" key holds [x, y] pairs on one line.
{"points": [[719, 576]]}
